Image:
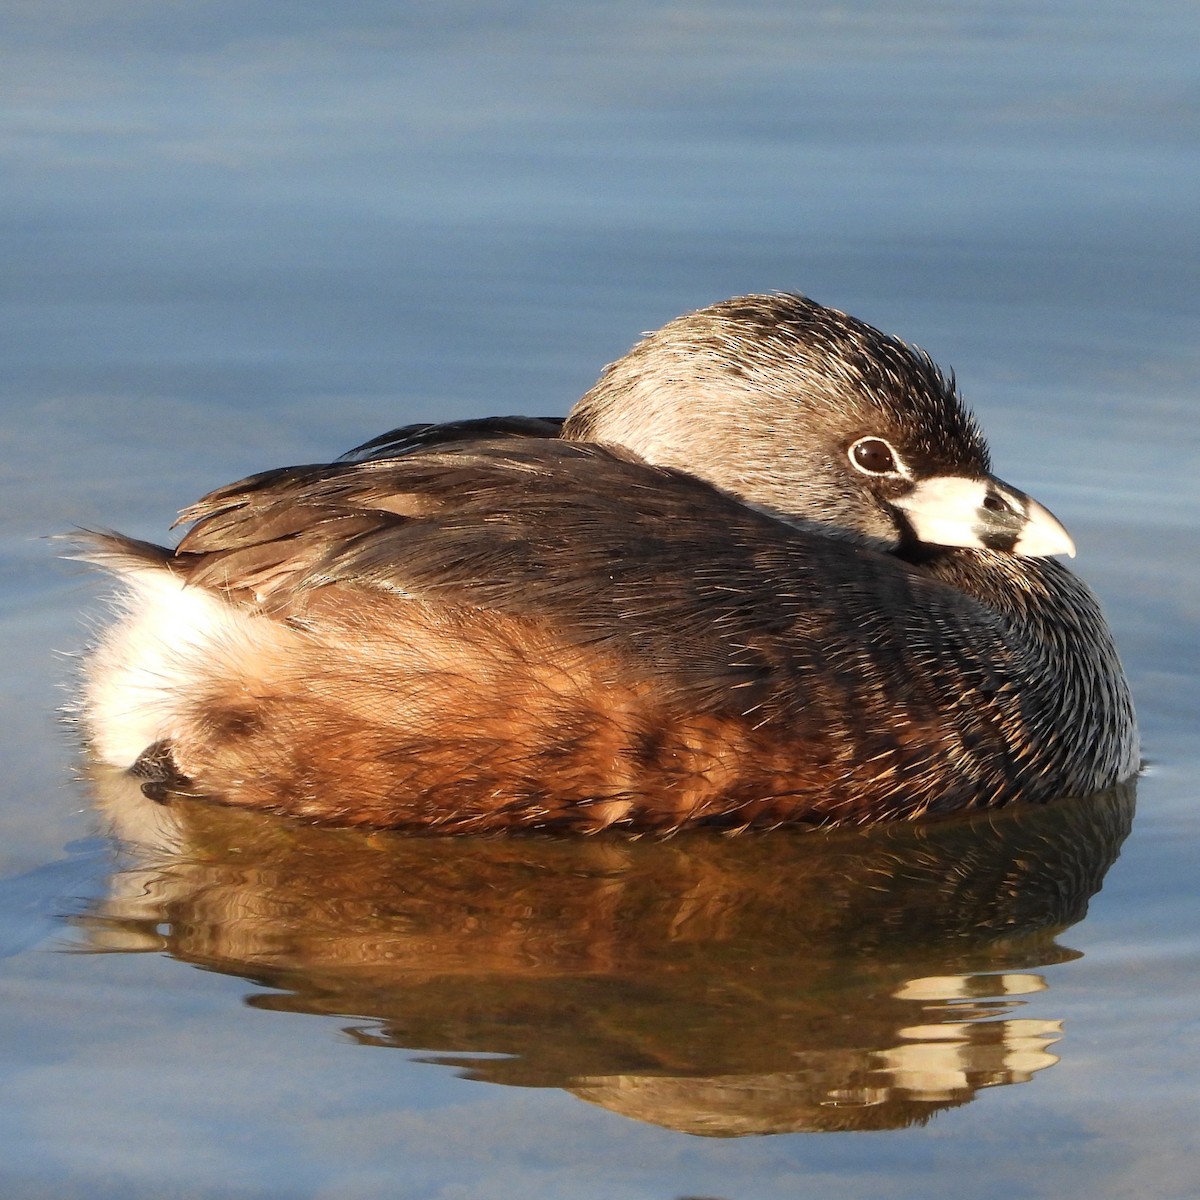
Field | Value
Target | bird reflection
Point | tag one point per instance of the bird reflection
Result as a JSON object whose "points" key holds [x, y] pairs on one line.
{"points": [[791, 981]]}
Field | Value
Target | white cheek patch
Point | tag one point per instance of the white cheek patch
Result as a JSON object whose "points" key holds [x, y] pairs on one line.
{"points": [[944, 511]]}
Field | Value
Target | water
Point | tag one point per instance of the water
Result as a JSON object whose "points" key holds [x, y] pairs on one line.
{"points": [[242, 236]]}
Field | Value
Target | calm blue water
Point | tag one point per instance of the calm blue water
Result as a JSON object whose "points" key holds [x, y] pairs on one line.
{"points": [[236, 236]]}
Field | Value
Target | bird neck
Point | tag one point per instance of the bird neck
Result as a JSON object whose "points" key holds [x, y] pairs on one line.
{"points": [[1037, 595], [1057, 619]]}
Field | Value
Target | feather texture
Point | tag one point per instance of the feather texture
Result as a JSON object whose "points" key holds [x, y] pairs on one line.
{"points": [[491, 625]]}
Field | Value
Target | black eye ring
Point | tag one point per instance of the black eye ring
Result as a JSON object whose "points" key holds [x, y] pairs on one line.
{"points": [[874, 456]]}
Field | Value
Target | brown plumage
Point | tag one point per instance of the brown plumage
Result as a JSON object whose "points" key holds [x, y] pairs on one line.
{"points": [[763, 575]]}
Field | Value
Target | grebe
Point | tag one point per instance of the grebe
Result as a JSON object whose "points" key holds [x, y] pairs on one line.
{"points": [[761, 574]]}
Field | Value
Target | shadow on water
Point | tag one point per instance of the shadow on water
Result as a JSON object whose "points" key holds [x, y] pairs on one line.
{"points": [[723, 986]]}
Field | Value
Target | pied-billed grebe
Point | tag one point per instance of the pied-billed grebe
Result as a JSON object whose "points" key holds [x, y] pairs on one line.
{"points": [[761, 574]]}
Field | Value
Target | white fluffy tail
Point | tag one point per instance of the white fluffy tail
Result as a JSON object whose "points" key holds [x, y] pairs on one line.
{"points": [[168, 645]]}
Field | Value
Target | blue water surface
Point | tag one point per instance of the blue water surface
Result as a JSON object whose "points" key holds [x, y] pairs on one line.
{"points": [[242, 235]]}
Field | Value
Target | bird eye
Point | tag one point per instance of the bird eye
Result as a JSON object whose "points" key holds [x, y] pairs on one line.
{"points": [[873, 456]]}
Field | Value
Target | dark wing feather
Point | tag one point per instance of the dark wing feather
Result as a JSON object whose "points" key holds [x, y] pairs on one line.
{"points": [[250, 535], [728, 607], [422, 436]]}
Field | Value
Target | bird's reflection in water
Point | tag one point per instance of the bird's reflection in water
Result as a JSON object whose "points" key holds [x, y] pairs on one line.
{"points": [[724, 986]]}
